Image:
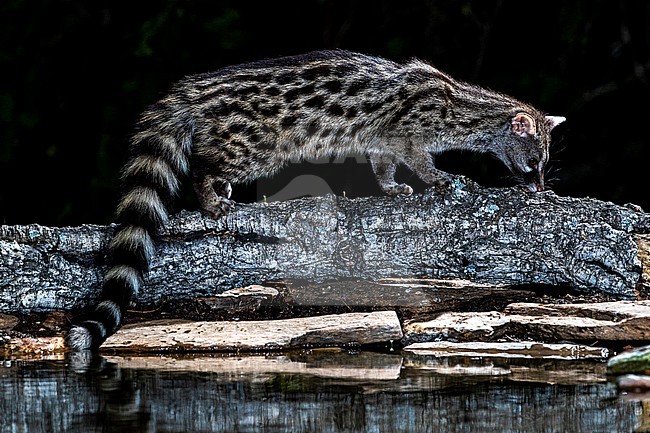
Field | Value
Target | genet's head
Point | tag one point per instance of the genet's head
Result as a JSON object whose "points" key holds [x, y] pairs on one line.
{"points": [[524, 146]]}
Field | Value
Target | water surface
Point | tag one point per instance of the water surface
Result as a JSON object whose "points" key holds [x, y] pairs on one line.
{"points": [[314, 391]]}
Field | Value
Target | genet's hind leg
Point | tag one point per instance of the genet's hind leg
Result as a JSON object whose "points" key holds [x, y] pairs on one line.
{"points": [[384, 167], [213, 195]]}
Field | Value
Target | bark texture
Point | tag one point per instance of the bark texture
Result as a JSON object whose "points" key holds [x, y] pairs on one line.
{"points": [[495, 236]]}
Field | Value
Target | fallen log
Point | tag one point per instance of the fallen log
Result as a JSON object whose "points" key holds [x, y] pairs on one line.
{"points": [[494, 236]]}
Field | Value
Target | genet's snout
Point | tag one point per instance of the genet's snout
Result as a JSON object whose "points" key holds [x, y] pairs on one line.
{"points": [[534, 180]]}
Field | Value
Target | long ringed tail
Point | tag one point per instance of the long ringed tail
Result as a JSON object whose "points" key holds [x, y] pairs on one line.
{"points": [[160, 154]]}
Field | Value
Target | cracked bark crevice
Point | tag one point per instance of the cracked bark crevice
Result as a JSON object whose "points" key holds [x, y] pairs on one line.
{"points": [[487, 235]]}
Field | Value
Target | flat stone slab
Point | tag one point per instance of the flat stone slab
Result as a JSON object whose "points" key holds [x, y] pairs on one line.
{"points": [[8, 322], [319, 331], [612, 311], [33, 346], [611, 321]]}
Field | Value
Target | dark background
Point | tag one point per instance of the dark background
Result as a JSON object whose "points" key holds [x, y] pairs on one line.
{"points": [[76, 74]]}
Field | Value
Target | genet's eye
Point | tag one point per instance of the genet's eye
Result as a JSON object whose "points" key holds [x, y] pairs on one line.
{"points": [[533, 163]]}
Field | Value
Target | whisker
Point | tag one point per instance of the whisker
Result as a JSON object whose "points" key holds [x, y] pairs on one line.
{"points": [[561, 149], [551, 181], [553, 173], [515, 178]]}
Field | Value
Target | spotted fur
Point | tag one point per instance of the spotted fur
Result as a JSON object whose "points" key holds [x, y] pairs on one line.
{"points": [[244, 122]]}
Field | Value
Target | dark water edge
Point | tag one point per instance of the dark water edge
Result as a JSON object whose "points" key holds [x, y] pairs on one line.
{"points": [[320, 391]]}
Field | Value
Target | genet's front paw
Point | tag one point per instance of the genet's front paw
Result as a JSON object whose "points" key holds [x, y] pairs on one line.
{"points": [[219, 207], [400, 189]]}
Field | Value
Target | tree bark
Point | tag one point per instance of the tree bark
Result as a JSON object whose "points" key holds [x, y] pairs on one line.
{"points": [[494, 236]]}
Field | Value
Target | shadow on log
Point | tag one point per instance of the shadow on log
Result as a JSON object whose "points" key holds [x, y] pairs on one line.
{"points": [[493, 236]]}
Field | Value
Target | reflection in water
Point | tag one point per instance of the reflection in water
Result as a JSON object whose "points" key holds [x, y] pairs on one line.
{"points": [[119, 406], [319, 391]]}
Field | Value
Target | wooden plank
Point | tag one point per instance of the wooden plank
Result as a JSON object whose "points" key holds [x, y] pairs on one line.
{"points": [[319, 331]]}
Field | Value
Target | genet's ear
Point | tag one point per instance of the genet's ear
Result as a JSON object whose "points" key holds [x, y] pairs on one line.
{"points": [[553, 121], [523, 125]]}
